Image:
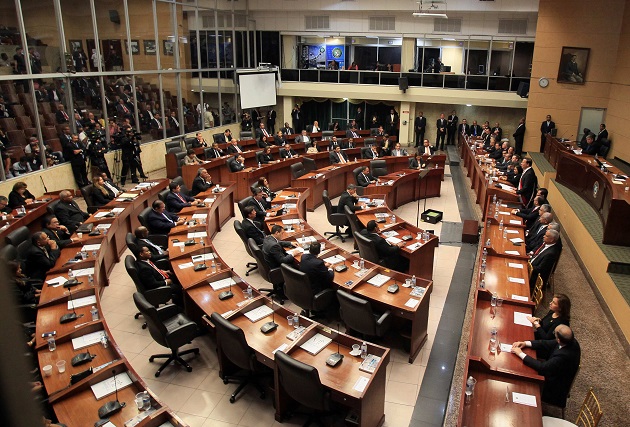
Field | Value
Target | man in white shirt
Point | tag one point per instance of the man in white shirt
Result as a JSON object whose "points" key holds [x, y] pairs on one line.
{"points": [[399, 151]]}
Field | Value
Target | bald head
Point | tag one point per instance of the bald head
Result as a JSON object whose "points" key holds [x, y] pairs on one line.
{"points": [[564, 334]]}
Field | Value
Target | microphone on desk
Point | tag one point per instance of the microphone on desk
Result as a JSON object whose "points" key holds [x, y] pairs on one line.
{"points": [[69, 317], [335, 358], [112, 406], [226, 294], [202, 266], [271, 325], [44, 185]]}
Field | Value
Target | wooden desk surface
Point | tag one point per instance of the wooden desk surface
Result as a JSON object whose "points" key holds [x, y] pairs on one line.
{"points": [[499, 245], [498, 274]]}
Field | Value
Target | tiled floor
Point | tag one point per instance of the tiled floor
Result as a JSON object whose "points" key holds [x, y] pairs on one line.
{"points": [[201, 398]]}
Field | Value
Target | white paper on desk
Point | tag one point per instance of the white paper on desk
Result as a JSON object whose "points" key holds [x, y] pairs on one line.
{"points": [[100, 214], [57, 281], [390, 233], [316, 344], [103, 226], [118, 210], [378, 280], [381, 215], [512, 252], [281, 348], [106, 387], [577, 151], [393, 240], [89, 248], [185, 265], [199, 216], [258, 313], [414, 246], [82, 302], [197, 235], [506, 348], [179, 244], [295, 251], [524, 399], [511, 231], [515, 222], [111, 424], [202, 257], [222, 284], [306, 239], [87, 340], [516, 280], [521, 319], [390, 182], [364, 200], [503, 205], [517, 240], [412, 302], [361, 383], [290, 221], [515, 265], [519, 298], [84, 272], [209, 200], [289, 206], [378, 201], [504, 213], [335, 259]]}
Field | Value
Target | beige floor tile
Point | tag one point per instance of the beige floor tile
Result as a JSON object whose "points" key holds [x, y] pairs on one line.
{"points": [[214, 383], [231, 412], [405, 373], [175, 396], [215, 423], [191, 379], [397, 415], [191, 420], [201, 403], [258, 414], [401, 393]]}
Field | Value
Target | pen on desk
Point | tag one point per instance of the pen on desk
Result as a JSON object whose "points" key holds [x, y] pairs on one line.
{"points": [[81, 324]]}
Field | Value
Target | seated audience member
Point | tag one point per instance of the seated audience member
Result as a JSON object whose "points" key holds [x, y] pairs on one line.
{"points": [[4, 206], [530, 215], [372, 154], [191, 158], [41, 256], [544, 257], [264, 142], [199, 141], [20, 196], [250, 226], [260, 204], [216, 152], [176, 200], [153, 277], [319, 273], [426, 149], [202, 182], [287, 152], [55, 231], [592, 147], [559, 314], [559, 368], [287, 130], [543, 209], [349, 198], [24, 290], [513, 174], [417, 162], [386, 145], [543, 192], [333, 144], [142, 239], [303, 138], [68, 212], [365, 178], [234, 147], [555, 226], [22, 166], [337, 156], [273, 248], [349, 143], [160, 221], [101, 195], [237, 164], [279, 139], [534, 239], [263, 184], [390, 254], [267, 157], [398, 150]]}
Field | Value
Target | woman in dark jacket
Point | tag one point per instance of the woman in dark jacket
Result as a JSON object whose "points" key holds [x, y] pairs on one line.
{"points": [[559, 314], [20, 196]]}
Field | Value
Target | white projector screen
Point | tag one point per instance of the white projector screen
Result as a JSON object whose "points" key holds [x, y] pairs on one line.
{"points": [[257, 89]]}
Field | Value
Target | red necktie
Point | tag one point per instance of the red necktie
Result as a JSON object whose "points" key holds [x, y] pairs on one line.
{"points": [[125, 109], [180, 197], [165, 276], [65, 115], [238, 149], [341, 159], [538, 250]]}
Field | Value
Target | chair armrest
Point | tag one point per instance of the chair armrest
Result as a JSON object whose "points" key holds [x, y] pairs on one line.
{"points": [[383, 318], [323, 299], [182, 334], [339, 219], [159, 239], [168, 311], [383, 322], [275, 276], [163, 264], [158, 296]]}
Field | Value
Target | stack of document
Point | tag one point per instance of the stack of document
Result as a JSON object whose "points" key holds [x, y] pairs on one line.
{"points": [[316, 344], [222, 284], [258, 313], [82, 302], [379, 280], [87, 340], [335, 259], [106, 387]]}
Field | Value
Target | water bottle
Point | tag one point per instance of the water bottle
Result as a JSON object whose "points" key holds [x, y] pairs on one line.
{"points": [[505, 233], [94, 313], [493, 300], [470, 384], [413, 281], [52, 345], [482, 284], [90, 280], [501, 224], [213, 265], [484, 254], [259, 165], [70, 274], [494, 198], [393, 219], [249, 291], [493, 340], [363, 350], [488, 244], [355, 160], [94, 253], [361, 264], [104, 341], [483, 266], [496, 214]]}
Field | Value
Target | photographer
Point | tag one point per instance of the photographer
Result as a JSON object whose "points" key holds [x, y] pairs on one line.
{"points": [[130, 146], [96, 150]]}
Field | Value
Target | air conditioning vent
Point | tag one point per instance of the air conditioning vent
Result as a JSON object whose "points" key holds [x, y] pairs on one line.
{"points": [[382, 23], [451, 25], [512, 26], [317, 22]]}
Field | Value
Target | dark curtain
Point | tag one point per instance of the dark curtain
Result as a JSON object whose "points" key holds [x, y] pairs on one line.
{"points": [[339, 110], [319, 111], [379, 110]]}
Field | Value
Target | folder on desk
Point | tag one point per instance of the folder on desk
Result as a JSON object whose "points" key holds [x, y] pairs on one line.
{"points": [[369, 364], [106, 387], [87, 340], [222, 284], [316, 344], [258, 313], [378, 280], [82, 302]]}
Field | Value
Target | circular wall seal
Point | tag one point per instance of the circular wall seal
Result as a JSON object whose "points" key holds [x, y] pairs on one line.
{"points": [[336, 52]]}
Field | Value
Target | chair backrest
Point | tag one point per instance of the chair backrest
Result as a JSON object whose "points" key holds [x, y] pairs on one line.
{"points": [[259, 156], [365, 153], [246, 134], [86, 192], [207, 153], [179, 157], [378, 168], [301, 382], [188, 142], [368, 142], [51, 207], [297, 170], [173, 144], [217, 137], [132, 271], [162, 194], [157, 329], [356, 313], [327, 134], [238, 227], [243, 203], [329, 207], [8, 253], [232, 343], [257, 253], [18, 236], [604, 148], [355, 224], [356, 173], [373, 131], [143, 217], [590, 412], [297, 287], [174, 150], [130, 240], [367, 249], [182, 186], [309, 164], [537, 295]]}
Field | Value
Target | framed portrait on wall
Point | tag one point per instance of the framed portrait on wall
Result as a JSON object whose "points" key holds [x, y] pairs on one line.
{"points": [[168, 47], [149, 47], [573, 65], [75, 45], [135, 47]]}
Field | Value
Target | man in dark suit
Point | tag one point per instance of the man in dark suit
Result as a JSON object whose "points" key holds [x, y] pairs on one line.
{"points": [[536, 222], [68, 212], [156, 122], [530, 215], [226, 137], [545, 128], [176, 201], [535, 239], [287, 152], [216, 152], [252, 230], [451, 127], [74, 152], [237, 163], [61, 116], [173, 124], [287, 130], [527, 184], [271, 120], [602, 134], [440, 127], [260, 204], [417, 162], [519, 135], [352, 133], [365, 178], [333, 143], [199, 141], [141, 238], [392, 122], [55, 231], [262, 131], [279, 139], [41, 256], [463, 128], [559, 369], [123, 110], [337, 156], [349, 198], [201, 183], [390, 254], [160, 221], [498, 131], [420, 126], [544, 258], [153, 277], [591, 147], [372, 153], [234, 147], [273, 248], [319, 273], [475, 129], [296, 116]]}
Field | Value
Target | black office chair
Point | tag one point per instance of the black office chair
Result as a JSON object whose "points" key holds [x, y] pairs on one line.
{"points": [[246, 134], [309, 164], [51, 206], [232, 346], [8, 253], [334, 218], [301, 383], [378, 168], [238, 227], [366, 153], [356, 172], [355, 225], [297, 170], [207, 153], [604, 148], [188, 143], [358, 316], [18, 236], [373, 131], [259, 158], [218, 138], [155, 297], [271, 275], [243, 203], [174, 150], [179, 158], [159, 240], [173, 144], [162, 194], [327, 134], [182, 186], [169, 328], [297, 287], [87, 192], [367, 248], [368, 142]]}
